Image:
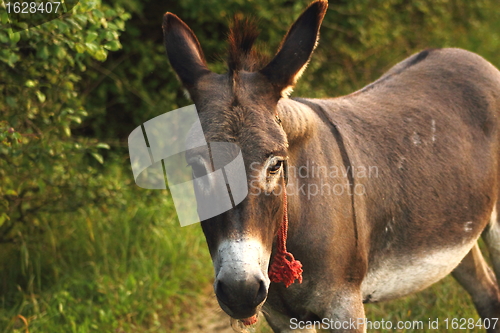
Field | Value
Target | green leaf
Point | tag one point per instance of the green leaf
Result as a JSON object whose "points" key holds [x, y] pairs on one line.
{"points": [[77, 120], [91, 36], [68, 85], [11, 192], [67, 111], [125, 16], [4, 55], [30, 83], [97, 13], [102, 145], [98, 157], [42, 52], [60, 52], [63, 27], [4, 217], [120, 25], [4, 38], [79, 48], [13, 58], [41, 96], [110, 12], [114, 45], [101, 55], [74, 24], [22, 25], [104, 23], [110, 35], [5, 17], [14, 36], [81, 18], [91, 47]]}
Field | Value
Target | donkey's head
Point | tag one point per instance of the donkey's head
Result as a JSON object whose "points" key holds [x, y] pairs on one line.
{"points": [[240, 107]]}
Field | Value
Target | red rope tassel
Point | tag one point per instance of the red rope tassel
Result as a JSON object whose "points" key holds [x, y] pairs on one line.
{"points": [[284, 267]]}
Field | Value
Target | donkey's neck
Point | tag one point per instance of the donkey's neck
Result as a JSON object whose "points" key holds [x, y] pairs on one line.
{"points": [[297, 118]]}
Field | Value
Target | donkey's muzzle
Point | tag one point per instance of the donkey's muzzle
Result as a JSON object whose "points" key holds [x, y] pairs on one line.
{"points": [[240, 298]]}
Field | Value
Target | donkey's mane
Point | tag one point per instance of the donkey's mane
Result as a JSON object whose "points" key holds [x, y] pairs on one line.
{"points": [[242, 55]]}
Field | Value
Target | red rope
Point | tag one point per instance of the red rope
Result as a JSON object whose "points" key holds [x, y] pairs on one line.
{"points": [[284, 267]]}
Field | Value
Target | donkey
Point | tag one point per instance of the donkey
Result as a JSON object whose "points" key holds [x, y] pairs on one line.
{"points": [[429, 126]]}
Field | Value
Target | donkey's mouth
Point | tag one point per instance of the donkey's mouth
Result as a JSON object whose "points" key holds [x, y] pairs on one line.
{"points": [[241, 325], [249, 321], [244, 314]]}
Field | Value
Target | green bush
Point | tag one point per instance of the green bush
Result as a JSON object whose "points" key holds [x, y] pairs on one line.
{"points": [[44, 169]]}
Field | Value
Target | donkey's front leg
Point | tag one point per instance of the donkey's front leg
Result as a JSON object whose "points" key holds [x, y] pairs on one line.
{"points": [[346, 313]]}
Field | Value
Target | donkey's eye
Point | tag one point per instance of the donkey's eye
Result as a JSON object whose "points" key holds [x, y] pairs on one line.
{"points": [[199, 170], [275, 167]]}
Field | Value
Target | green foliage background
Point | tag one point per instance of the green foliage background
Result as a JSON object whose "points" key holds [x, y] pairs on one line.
{"points": [[81, 247]]}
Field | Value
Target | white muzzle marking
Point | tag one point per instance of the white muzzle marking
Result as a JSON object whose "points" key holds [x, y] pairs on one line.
{"points": [[242, 258]]}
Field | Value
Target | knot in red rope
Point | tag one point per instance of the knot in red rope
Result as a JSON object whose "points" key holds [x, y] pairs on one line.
{"points": [[285, 268]]}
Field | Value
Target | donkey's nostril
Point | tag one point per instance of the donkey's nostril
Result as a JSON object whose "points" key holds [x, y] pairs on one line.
{"points": [[261, 293], [221, 292], [240, 297]]}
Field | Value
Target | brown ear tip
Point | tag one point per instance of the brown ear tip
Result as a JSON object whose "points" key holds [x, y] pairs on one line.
{"points": [[322, 5], [168, 19]]}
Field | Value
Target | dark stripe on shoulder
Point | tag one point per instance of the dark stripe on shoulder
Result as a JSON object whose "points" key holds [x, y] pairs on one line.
{"points": [[412, 61], [419, 57]]}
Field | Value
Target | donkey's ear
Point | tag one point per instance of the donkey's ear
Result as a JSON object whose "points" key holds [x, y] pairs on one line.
{"points": [[296, 48], [183, 50]]}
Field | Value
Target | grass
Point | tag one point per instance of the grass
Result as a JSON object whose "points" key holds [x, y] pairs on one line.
{"points": [[130, 267], [122, 267]]}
